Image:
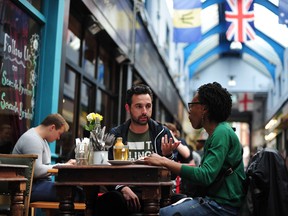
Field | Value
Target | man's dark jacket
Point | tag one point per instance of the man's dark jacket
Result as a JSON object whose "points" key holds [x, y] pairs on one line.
{"points": [[156, 130]]}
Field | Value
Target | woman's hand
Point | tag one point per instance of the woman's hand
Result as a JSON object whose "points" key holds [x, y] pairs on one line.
{"points": [[157, 160], [154, 159], [167, 145]]}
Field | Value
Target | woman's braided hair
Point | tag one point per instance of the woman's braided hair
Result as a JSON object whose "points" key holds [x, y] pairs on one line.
{"points": [[217, 100]]}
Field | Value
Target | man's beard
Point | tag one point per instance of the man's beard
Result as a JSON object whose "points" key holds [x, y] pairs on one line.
{"points": [[138, 121]]}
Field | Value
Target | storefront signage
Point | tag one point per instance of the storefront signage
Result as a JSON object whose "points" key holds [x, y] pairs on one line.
{"points": [[17, 59], [19, 68]]}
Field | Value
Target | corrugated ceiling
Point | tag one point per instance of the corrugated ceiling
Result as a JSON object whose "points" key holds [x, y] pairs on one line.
{"points": [[264, 53]]}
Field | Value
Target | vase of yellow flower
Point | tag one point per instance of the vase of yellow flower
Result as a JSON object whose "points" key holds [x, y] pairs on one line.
{"points": [[94, 126], [99, 141]]}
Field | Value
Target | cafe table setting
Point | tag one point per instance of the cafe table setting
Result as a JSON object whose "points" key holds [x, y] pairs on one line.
{"points": [[155, 183], [94, 170], [93, 150], [85, 154]]}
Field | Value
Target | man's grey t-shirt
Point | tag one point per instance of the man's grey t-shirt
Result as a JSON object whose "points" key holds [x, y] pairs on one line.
{"points": [[140, 145], [32, 143]]}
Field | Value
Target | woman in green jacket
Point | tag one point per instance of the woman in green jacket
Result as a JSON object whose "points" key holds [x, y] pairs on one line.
{"points": [[210, 108]]}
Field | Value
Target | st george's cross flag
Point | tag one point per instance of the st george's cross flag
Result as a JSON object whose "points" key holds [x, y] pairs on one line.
{"points": [[187, 21], [283, 12], [239, 16], [245, 102]]}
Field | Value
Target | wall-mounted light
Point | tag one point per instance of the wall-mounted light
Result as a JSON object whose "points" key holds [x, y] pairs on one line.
{"points": [[271, 124], [270, 136], [231, 81], [120, 56], [235, 45], [93, 25]]}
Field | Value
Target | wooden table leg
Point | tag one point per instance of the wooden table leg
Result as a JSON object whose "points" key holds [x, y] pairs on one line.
{"points": [[165, 196], [66, 194], [91, 193], [151, 200], [155, 197], [17, 197]]}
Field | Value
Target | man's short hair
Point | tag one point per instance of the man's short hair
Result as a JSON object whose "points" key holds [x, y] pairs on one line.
{"points": [[138, 90], [57, 120]]}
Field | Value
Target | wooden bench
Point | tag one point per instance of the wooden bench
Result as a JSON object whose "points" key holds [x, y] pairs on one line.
{"points": [[52, 205]]}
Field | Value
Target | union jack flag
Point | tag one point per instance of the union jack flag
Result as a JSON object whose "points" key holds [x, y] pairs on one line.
{"points": [[239, 16]]}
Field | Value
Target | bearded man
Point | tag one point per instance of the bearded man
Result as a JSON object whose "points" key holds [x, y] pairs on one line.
{"points": [[144, 136]]}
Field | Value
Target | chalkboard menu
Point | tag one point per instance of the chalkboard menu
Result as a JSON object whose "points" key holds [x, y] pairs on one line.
{"points": [[19, 57]]}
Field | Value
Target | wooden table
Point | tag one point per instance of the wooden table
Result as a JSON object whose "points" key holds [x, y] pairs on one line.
{"points": [[155, 184], [13, 174]]}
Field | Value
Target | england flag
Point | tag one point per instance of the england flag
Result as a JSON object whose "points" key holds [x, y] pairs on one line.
{"points": [[245, 102]]}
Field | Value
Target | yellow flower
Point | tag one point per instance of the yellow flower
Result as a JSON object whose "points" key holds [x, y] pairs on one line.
{"points": [[93, 116], [90, 117], [93, 119]]}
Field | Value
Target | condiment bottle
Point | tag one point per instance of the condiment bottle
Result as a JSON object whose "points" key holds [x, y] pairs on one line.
{"points": [[119, 142], [120, 151]]}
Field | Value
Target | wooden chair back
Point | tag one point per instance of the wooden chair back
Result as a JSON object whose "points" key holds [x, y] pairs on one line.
{"points": [[22, 159]]}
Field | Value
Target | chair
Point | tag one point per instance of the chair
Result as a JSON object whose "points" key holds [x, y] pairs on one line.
{"points": [[49, 205], [78, 206], [52, 205], [22, 159]]}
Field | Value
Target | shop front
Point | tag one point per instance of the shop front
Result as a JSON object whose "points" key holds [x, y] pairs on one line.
{"points": [[107, 48], [20, 38], [76, 57]]}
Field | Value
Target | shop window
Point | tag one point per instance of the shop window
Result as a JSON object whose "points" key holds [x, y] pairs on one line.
{"points": [[19, 58], [65, 146], [69, 96], [100, 71], [107, 106], [73, 41], [89, 54], [104, 68], [86, 103], [91, 76]]}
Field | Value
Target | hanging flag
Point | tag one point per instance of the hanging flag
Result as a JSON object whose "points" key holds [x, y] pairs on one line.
{"points": [[245, 102], [239, 16], [283, 12], [187, 21]]}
